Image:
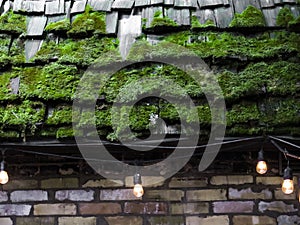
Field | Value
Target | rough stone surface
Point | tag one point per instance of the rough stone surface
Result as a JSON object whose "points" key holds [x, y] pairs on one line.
{"points": [[55, 209], [29, 196], [102, 183], [6, 221], [77, 220], [249, 194], [99, 208], [278, 206], [253, 220], [161, 195], [206, 195], [281, 196], [121, 220], [269, 180], [120, 194], [287, 220], [14, 210], [189, 208], [211, 220], [75, 195], [166, 220], [145, 208], [235, 180], [20, 184], [233, 207], [35, 220], [3, 196], [177, 182], [59, 183]]}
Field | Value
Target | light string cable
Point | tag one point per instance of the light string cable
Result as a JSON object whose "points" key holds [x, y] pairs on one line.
{"points": [[284, 151], [147, 161]]}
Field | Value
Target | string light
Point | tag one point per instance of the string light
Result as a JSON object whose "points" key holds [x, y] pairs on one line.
{"points": [[138, 189], [261, 166], [3, 174], [288, 183]]}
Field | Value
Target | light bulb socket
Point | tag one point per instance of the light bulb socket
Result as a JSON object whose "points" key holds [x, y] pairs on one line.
{"points": [[137, 179], [261, 155], [2, 165], [288, 173]]}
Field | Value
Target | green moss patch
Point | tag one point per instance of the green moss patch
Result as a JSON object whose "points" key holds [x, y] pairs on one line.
{"points": [[250, 17], [162, 21], [87, 23], [59, 27], [284, 17], [13, 23]]}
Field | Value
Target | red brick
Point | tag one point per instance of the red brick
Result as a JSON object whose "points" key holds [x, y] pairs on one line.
{"points": [[145, 208]]}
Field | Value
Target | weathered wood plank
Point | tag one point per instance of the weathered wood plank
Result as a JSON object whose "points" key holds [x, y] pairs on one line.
{"points": [[223, 16], [111, 22], [15, 85], [157, 2], [182, 16], [122, 4], [36, 25], [240, 6], [169, 2], [101, 5], [210, 3], [205, 14], [184, 3], [270, 16], [266, 3], [139, 3], [17, 5], [78, 6], [31, 48], [148, 14], [34, 6], [55, 7]]}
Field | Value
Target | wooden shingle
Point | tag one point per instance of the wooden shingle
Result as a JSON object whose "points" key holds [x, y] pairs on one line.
{"points": [[34, 6], [205, 14], [36, 25], [78, 6], [31, 48], [185, 3], [140, 3], [210, 3], [55, 7], [122, 4], [240, 6], [270, 16], [266, 3], [224, 16], [169, 2], [157, 2], [111, 22], [101, 5], [17, 5]]}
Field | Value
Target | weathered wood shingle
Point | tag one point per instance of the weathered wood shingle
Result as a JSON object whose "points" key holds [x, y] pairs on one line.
{"points": [[36, 25], [139, 3], [240, 6], [31, 48], [55, 7], [266, 3], [210, 3], [78, 6], [101, 5], [122, 4], [34, 6], [186, 3], [111, 22], [224, 16], [270, 16]]}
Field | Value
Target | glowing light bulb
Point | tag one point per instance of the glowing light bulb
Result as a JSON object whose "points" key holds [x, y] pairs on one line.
{"points": [[261, 167], [3, 177], [138, 190], [288, 183], [288, 186]]}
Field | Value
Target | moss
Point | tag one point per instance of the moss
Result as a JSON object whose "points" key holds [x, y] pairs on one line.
{"points": [[284, 17], [294, 25], [5, 88], [197, 24], [65, 132], [88, 23], [59, 27], [243, 113], [61, 115], [250, 17], [12, 22], [162, 21], [51, 82]]}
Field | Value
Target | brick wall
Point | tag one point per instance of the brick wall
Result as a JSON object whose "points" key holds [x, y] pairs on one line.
{"points": [[201, 199]]}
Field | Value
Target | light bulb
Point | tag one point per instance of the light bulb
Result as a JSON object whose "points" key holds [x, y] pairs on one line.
{"points": [[288, 186], [3, 177], [261, 167], [138, 190]]}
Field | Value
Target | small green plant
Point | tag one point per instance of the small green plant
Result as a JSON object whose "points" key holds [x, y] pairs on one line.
{"points": [[13, 22], [59, 27], [250, 17], [162, 21], [284, 17]]}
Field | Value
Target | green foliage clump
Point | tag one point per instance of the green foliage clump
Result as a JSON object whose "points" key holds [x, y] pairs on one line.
{"points": [[284, 17], [242, 113], [59, 27], [250, 17], [64, 132], [88, 23], [61, 115], [196, 23], [81, 52], [162, 21], [12, 22]]}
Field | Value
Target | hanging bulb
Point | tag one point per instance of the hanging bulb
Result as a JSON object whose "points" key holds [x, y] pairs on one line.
{"points": [[138, 189], [3, 174], [288, 183], [261, 166]]}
